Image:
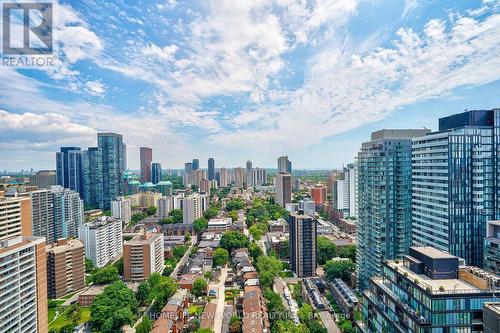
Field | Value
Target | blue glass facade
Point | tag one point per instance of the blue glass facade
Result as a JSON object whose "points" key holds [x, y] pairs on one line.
{"points": [[111, 151], [69, 169]]}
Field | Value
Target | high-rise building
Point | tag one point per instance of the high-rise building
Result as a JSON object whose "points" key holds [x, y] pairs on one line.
{"points": [[225, 178], [284, 165], [92, 177], [102, 239], [196, 164], [188, 167], [142, 256], [427, 291], [384, 186], [69, 169], [211, 168], [155, 173], [43, 179], [283, 188], [65, 267], [259, 176], [303, 240], [455, 190], [491, 317], [193, 207], [491, 253], [112, 154], [23, 292], [308, 206], [146, 159], [68, 213], [165, 206], [121, 208], [249, 174], [318, 193], [15, 216], [344, 192], [24, 305], [42, 215]]}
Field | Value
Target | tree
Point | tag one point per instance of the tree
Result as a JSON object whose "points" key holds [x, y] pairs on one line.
{"points": [[161, 288], [176, 215], [339, 269], [315, 327], [142, 293], [266, 279], [255, 251], [151, 211], [235, 324], [235, 204], [305, 314], [348, 251], [113, 308], [89, 265], [144, 326], [284, 250], [119, 266], [275, 308], [200, 225], [326, 250], [105, 275], [211, 212], [232, 240], [233, 215], [220, 256], [199, 287], [179, 251], [187, 237], [256, 231], [204, 330], [137, 217]]}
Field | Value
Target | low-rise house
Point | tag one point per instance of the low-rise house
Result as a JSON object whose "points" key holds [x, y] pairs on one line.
{"points": [[255, 318], [208, 316], [173, 315], [86, 298], [186, 281]]}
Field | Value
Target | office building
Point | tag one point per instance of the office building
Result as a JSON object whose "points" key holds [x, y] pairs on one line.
{"points": [[102, 239], [196, 164], [188, 167], [155, 173], [43, 179], [15, 216], [303, 240], [491, 317], [427, 291], [146, 155], [193, 207], [142, 256], [492, 247], [23, 289], [211, 168], [384, 201], [69, 169], [68, 213], [92, 177], [284, 165], [113, 160], [344, 192], [65, 267], [455, 184], [283, 184], [249, 174], [318, 194], [42, 215], [121, 208]]}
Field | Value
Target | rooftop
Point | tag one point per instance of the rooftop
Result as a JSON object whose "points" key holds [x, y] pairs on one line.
{"points": [[433, 253]]}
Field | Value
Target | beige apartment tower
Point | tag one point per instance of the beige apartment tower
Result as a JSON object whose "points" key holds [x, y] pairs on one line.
{"points": [[65, 267], [142, 256]]}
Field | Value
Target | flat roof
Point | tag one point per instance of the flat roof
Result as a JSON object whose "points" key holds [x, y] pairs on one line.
{"points": [[435, 284], [493, 306], [433, 252]]}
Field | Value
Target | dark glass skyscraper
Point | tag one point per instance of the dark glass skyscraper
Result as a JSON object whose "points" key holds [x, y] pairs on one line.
{"points": [[211, 168], [455, 183], [155, 173], [196, 164], [303, 240], [112, 154], [92, 184], [69, 169]]}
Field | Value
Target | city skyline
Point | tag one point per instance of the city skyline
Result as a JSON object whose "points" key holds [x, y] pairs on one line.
{"points": [[312, 87]]}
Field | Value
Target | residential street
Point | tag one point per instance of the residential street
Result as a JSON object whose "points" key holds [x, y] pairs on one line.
{"points": [[219, 312]]}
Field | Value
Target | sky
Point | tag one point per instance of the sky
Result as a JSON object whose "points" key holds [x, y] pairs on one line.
{"points": [[249, 80]]}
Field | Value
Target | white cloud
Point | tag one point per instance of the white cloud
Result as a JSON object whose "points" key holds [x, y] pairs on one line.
{"points": [[96, 88]]}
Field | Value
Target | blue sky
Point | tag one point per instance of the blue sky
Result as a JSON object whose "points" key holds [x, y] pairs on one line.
{"points": [[239, 80]]}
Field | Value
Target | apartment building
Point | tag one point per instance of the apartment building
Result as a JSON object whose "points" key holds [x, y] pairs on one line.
{"points": [[142, 256], [121, 208], [15, 216], [65, 267], [193, 207], [102, 239]]}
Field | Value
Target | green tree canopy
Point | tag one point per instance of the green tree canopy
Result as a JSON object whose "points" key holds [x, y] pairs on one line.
{"points": [[232, 240], [220, 256], [112, 309], [339, 269], [255, 251], [151, 211], [145, 325], [235, 204], [326, 250], [199, 287], [105, 275], [200, 225], [305, 314]]}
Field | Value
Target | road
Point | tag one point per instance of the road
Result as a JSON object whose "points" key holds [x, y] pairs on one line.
{"points": [[329, 322], [279, 284], [183, 260], [221, 295]]}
